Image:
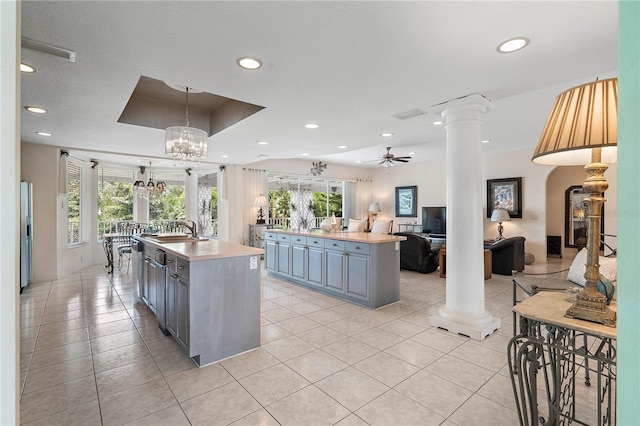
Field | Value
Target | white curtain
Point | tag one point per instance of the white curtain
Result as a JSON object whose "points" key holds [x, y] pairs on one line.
{"points": [[254, 185], [62, 173], [363, 198]]}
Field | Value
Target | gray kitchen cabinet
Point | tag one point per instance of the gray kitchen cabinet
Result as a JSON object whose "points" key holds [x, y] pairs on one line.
{"points": [[211, 305], [270, 253], [357, 282], [335, 268], [284, 253], [299, 257], [150, 283], [315, 265], [177, 300], [367, 273]]}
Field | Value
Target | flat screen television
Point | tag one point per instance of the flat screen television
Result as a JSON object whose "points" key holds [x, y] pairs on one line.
{"points": [[434, 220]]}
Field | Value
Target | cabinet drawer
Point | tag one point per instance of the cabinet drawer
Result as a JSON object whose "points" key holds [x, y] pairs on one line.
{"points": [[297, 239], [172, 263], [334, 245], [315, 242], [357, 247], [270, 236], [183, 267], [284, 238]]}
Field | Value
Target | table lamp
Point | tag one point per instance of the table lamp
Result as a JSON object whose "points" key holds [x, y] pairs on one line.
{"points": [[374, 209], [582, 129], [500, 215], [260, 201]]}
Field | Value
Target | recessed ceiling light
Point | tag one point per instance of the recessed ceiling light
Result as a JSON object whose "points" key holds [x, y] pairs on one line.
{"points": [[437, 123], [263, 143], [386, 134], [304, 154], [512, 45], [412, 153], [43, 133], [485, 140], [224, 156], [358, 161], [249, 63], [343, 146], [27, 68], [36, 110], [311, 126]]}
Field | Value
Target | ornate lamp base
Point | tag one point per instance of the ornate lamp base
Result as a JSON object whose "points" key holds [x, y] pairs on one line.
{"points": [[590, 307]]}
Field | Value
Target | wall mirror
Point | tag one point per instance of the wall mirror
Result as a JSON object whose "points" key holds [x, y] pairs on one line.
{"points": [[576, 220]]}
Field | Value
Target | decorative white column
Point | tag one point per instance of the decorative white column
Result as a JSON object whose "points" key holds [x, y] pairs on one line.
{"points": [[464, 310], [191, 197]]}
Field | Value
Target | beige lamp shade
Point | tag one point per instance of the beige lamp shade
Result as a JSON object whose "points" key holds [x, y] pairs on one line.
{"points": [[260, 201], [500, 215], [374, 207], [582, 118]]}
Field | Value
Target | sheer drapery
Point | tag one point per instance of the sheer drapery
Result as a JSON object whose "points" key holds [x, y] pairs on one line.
{"points": [[363, 197], [62, 172], [254, 185]]}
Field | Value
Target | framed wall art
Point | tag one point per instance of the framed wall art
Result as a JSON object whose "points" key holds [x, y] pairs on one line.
{"points": [[505, 194], [406, 201]]}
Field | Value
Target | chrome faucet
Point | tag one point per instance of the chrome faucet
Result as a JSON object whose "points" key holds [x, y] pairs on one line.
{"points": [[192, 228]]}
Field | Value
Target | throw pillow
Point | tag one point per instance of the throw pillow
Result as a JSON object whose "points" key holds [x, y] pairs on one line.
{"points": [[357, 225], [608, 268], [380, 226]]}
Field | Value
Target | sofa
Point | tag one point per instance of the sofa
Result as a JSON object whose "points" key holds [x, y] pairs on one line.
{"points": [[416, 254], [507, 255]]}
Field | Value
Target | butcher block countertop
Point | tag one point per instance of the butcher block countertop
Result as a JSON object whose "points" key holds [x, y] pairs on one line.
{"points": [[201, 248], [359, 237]]}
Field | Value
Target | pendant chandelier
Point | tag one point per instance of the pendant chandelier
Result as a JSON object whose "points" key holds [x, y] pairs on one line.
{"points": [[150, 189], [186, 144]]}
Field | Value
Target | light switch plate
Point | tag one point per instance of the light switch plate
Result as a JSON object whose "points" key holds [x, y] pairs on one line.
{"points": [[253, 262]]}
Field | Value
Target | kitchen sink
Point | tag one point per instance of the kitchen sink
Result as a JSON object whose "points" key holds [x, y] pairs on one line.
{"points": [[176, 238]]}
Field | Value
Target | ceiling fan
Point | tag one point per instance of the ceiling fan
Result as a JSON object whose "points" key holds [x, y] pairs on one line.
{"points": [[388, 159]]}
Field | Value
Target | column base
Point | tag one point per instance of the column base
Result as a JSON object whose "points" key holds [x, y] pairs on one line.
{"points": [[475, 328]]}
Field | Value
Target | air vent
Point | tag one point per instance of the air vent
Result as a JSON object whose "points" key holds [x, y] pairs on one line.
{"points": [[409, 114], [49, 49]]}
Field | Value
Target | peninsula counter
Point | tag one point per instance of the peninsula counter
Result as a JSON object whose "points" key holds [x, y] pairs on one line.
{"points": [[357, 266]]}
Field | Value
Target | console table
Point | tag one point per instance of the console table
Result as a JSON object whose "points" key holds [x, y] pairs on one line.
{"points": [[414, 228], [553, 348]]}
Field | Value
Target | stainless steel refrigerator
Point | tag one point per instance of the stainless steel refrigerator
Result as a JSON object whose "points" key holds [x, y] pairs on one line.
{"points": [[26, 233]]}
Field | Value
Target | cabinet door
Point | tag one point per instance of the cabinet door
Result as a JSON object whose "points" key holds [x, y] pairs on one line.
{"points": [[270, 255], [335, 271], [284, 266], [358, 276], [144, 285], [298, 261], [315, 265], [153, 283], [182, 311], [172, 284]]}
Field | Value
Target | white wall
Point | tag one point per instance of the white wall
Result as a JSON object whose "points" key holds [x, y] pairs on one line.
{"points": [[430, 177]]}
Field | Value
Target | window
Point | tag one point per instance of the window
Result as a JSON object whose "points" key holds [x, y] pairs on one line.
{"points": [[170, 205], [115, 199], [74, 202]]}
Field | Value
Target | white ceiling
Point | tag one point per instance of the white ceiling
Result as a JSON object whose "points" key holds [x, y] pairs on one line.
{"points": [[346, 65]]}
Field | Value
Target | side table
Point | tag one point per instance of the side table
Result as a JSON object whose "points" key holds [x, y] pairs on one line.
{"points": [[551, 347], [442, 261]]}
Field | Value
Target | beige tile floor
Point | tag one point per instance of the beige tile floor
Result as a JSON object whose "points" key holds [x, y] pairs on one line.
{"points": [[91, 354]]}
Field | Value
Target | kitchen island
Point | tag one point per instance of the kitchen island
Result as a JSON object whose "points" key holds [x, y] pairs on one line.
{"points": [[357, 266], [205, 293]]}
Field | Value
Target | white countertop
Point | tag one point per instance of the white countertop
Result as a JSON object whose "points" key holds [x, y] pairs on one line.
{"points": [[204, 250], [359, 237]]}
